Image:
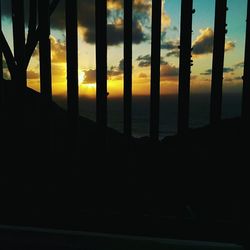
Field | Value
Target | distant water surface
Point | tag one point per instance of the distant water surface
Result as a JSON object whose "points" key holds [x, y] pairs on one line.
{"points": [[199, 112]]}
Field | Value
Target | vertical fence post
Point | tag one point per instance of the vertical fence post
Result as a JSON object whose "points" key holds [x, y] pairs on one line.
{"points": [[44, 49], [101, 65], [19, 44], [218, 61], [155, 69], [185, 65], [128, 19], [246, 76], [1, 58], [45, 74], [72, 69]]}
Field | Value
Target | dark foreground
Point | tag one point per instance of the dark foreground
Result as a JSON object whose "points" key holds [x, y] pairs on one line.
{"points": [[193, 186], [40, 239]]}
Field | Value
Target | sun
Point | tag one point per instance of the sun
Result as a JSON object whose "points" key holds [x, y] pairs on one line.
{"points": [[81, 76]]}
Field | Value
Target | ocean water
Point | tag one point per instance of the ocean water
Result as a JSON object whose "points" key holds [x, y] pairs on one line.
{"points": [[199, 112]]}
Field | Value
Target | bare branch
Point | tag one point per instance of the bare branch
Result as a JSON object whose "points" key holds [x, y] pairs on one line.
{"points": [[31, 45], [9, 58]]}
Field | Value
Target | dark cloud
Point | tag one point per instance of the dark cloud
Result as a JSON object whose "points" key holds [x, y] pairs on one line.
{"points": [[175, 29], [228, 70], [86, 20], [203, 44], [172, 47], [239, 65], [225, 70], [90, 76], [115, 34], [174, 53], [121, 65], [207, 72], [169, 71], [145, 61], [116, 72], [143, 75], [32, 75]]}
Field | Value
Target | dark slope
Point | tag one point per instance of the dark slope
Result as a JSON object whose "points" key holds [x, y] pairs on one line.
{"points": [[198, 179]]}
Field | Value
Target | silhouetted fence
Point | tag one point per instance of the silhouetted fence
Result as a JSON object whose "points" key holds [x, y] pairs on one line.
{"points": [[40, 32]]}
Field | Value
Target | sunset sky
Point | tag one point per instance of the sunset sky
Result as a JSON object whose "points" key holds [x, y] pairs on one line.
{"points": [[203, 25]]}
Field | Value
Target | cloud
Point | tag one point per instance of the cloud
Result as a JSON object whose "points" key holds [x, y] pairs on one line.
{"points": [[173, 53], [229, 45], [203, 44], [175, 28], [165, 21], [145, 61], [228, 70], [116, 72], [121, 65], [173, 48], [169, 72], [143, 75], [239, 65], [207, 72], [115, 4], [170, 45], [90, 76], [225, 70], [58, 50], [86, 21], [32, 75]]}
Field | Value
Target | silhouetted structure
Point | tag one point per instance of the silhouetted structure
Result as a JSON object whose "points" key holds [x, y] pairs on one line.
{"points": [[155, 69], [246, 75], [72, 69], [128, 39], [185, 65], [218, 61], [33, 40]]}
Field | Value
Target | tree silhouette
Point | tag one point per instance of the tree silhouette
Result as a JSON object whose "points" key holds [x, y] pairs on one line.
{"points": [[33, 38]]}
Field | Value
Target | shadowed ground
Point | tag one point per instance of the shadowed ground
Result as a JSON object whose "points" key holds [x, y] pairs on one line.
{"points": [[192, 186]]}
